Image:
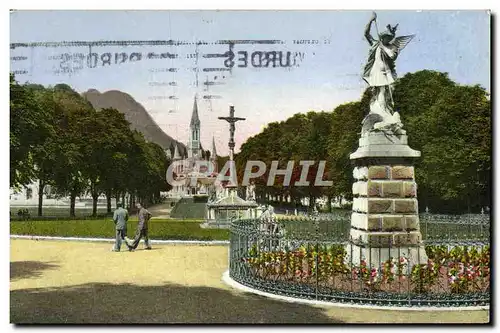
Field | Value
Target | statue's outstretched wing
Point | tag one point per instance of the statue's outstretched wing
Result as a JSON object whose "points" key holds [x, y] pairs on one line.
{"points": [[369, 122], [401, 41]]}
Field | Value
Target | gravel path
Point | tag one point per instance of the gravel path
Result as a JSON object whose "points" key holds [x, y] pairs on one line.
{"points": [[78, 282], [160, 211]]}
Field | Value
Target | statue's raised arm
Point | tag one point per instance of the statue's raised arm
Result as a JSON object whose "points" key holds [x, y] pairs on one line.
{"points": [[368, 36]]}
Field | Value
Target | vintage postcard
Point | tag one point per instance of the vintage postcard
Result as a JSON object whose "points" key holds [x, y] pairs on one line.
{"points": [[250, 167]]}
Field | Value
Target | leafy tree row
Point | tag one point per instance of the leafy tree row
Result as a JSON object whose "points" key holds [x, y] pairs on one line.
{"points": [[59, 139], [449, 123]]}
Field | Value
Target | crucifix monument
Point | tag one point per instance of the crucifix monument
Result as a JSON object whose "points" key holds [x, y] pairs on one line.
{"points": [[231, 120], [230, 207]]}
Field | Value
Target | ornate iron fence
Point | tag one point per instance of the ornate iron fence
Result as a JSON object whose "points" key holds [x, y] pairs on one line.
{"points": [[309, 258]]}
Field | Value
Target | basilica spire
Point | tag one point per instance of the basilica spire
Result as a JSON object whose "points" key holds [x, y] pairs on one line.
{"points": [[194, 146], [213, 154], [176, 153], [195, 120]]}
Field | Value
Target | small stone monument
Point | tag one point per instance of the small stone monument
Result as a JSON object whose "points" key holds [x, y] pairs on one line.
{"points": [[384, 220]]}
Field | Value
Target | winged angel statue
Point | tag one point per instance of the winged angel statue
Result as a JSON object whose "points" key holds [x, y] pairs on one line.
{"points": [[380, 74]]}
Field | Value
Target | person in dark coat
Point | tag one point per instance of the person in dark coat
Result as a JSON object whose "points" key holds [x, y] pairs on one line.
{"points": [[142, 229]]}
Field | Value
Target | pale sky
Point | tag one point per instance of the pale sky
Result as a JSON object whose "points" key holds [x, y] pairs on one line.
{"points": [[328, 73]]}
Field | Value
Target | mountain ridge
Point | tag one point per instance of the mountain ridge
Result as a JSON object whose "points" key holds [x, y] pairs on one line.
{"points": [[136, 114]]}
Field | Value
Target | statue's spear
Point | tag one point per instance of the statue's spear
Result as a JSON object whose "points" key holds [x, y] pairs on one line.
{"points": [[376, 25], [385, 65]]}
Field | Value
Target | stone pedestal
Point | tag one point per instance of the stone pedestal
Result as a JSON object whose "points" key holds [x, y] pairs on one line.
{"points": [[384, 220]]}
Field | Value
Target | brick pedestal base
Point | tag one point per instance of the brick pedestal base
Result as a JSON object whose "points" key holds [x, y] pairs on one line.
{"points": [[384, 220]]}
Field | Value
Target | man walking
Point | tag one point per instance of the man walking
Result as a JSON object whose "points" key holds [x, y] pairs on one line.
{"points": [[120, 217], [142, 229]]}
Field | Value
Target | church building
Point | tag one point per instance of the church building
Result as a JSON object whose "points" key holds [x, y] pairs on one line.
{"points": [[193, 181]]}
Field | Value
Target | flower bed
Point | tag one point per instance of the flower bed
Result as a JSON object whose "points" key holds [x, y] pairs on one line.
{"points": [[460, 269]]}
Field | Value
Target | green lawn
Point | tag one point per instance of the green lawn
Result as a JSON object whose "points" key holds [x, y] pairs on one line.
{"points": [[158, 229], [154, 220]]}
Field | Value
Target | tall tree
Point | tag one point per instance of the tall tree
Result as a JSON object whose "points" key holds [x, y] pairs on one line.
{"points": [[451, 125], [344, 135], [29, 126], [318, 132], [44, 152], [73, 113], [115, 160]]}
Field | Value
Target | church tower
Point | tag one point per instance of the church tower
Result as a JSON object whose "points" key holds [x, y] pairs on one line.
{"points": [[194, 138]]}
